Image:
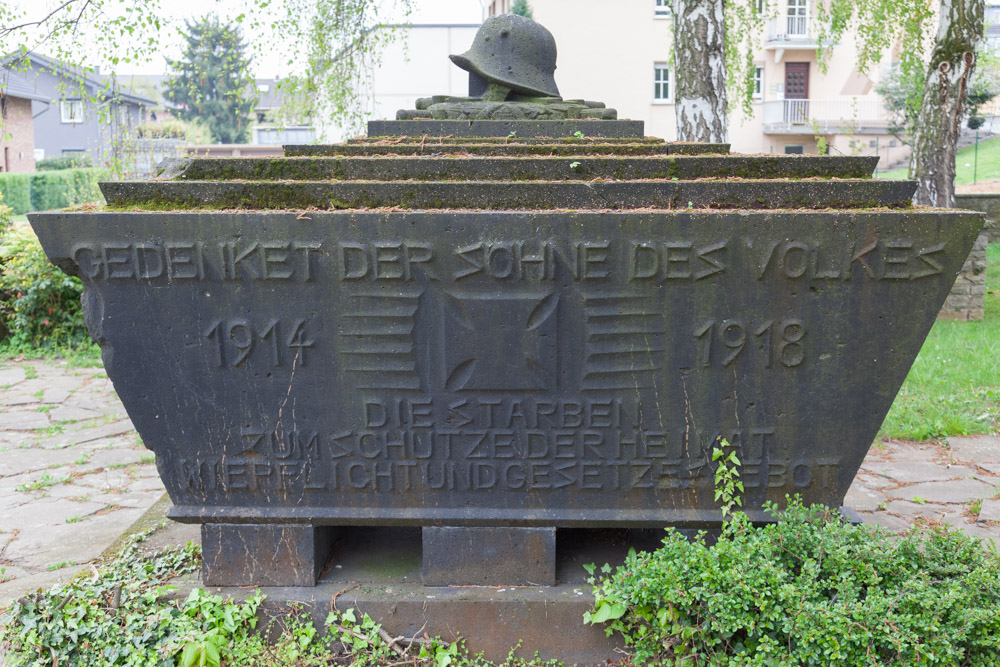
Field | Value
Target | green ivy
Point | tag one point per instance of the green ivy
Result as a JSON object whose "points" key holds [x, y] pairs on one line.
{"points": [[809, 589]]}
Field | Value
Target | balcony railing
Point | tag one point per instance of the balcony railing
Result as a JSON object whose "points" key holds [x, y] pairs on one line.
{"points": [[789, 29], [825, 115]]}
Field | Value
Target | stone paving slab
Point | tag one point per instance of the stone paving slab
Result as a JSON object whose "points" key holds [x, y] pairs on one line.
{"points": [[74, 476], [73, 473]]}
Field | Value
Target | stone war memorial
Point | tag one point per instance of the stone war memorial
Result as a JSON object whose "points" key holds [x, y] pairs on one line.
{"points": [[436, 359]]}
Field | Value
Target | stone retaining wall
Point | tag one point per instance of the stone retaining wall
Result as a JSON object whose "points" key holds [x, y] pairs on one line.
{"points": [[967, 297], [988, 204]]}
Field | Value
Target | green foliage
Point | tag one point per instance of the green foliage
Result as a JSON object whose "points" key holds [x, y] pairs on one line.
{"points": [[119, 617], [15, 190], [521, 8], [46, 190], [338, 46], [746, 21], [953, 387], [902, 93], [6, 216], [116, 618], [334, 45], [212, 82], [809, 589], [64, 162], [39, 304], [728, 487], [166, 130]]}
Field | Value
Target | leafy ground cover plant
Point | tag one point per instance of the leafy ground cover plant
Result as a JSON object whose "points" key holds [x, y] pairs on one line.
{"points": [[809, 589], [120, 616]]}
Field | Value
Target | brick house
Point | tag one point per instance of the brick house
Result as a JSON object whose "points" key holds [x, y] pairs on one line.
{"points": [[17, 132]]}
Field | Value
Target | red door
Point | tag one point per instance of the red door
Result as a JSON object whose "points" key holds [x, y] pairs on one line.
{"points": [[796, 92]]}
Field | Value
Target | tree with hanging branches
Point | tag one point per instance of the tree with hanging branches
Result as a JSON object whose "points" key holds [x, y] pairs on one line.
{"points": [[936, 68], [333, 45]]}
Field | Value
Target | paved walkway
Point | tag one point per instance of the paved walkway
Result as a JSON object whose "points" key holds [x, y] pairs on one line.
{"points": [[74, 476], [73, 473]]}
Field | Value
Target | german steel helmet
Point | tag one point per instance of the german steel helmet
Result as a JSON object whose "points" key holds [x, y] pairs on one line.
{"points": [[515, 52]]}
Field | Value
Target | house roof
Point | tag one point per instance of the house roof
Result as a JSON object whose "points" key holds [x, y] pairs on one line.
{"points": [[12, 85], [105, 84]]}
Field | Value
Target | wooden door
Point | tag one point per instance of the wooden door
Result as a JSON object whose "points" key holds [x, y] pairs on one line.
{"points": [[796, 92]]}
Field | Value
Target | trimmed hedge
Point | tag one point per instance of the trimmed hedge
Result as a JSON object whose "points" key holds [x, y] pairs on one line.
{"points": [[64, 162], [16, 192], [46, 190]]}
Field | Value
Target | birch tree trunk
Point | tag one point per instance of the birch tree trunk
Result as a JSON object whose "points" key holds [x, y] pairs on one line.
{"points": [[700, 70], [942, 110]]}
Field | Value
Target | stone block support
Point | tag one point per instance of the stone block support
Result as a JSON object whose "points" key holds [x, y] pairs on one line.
{"points": [[263, 554], [489, 556]]}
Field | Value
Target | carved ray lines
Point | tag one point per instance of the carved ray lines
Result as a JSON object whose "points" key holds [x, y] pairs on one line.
{"points": [[377, 343], [624, 341]]}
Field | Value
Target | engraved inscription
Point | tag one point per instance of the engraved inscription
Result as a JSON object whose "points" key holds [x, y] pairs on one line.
{"points": [[235, 340], [721, 343], [194, 260]]}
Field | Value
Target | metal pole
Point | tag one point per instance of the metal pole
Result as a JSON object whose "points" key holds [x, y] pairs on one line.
{"points": [[975, 160]]}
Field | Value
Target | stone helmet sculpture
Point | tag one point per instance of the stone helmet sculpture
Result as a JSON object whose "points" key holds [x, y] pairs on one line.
{"points": [[515, 52]]}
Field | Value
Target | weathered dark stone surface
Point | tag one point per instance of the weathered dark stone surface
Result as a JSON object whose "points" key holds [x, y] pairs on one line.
{"points": [[503, 128], [585, 142], [263, 554], [546, 369], [515, 52], [520, 195], [431, 148], [504, 556], [520, 169], [546, 108]]}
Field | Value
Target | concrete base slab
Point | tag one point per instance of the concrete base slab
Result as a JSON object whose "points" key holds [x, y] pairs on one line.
{"points": [[378, 572]]}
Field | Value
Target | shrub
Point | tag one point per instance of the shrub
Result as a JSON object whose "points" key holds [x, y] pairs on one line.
{"points": [[64, 162], [165, 130], [59, 189], [46, 190], [16, 192], [39, 304], [5, 216], [807, 590]]}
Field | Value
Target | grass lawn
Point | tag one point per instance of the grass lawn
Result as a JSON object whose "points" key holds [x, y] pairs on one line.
{"points": [[989, 163], [954, 385]]}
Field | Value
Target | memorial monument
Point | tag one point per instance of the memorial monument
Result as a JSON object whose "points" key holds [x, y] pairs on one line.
{"points": [[496, 317]]}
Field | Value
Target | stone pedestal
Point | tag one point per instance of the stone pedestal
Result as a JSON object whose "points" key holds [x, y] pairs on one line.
{"points": [[496, 556], [263, 554]]}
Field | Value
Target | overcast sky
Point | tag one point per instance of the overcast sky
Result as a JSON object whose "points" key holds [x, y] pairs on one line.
{"points": [[265, 64]]}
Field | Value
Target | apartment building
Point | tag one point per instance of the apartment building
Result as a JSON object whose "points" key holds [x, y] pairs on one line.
{"points": [[619, 52]]}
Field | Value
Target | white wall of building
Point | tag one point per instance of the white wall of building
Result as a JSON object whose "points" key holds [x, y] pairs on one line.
{"points": [[416, 65], [608, 52]]}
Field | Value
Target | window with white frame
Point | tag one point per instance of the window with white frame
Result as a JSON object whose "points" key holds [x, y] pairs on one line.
{"points": [[661, 83], [758, 83], [71, 111], [798, 17], [662, 8]]}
